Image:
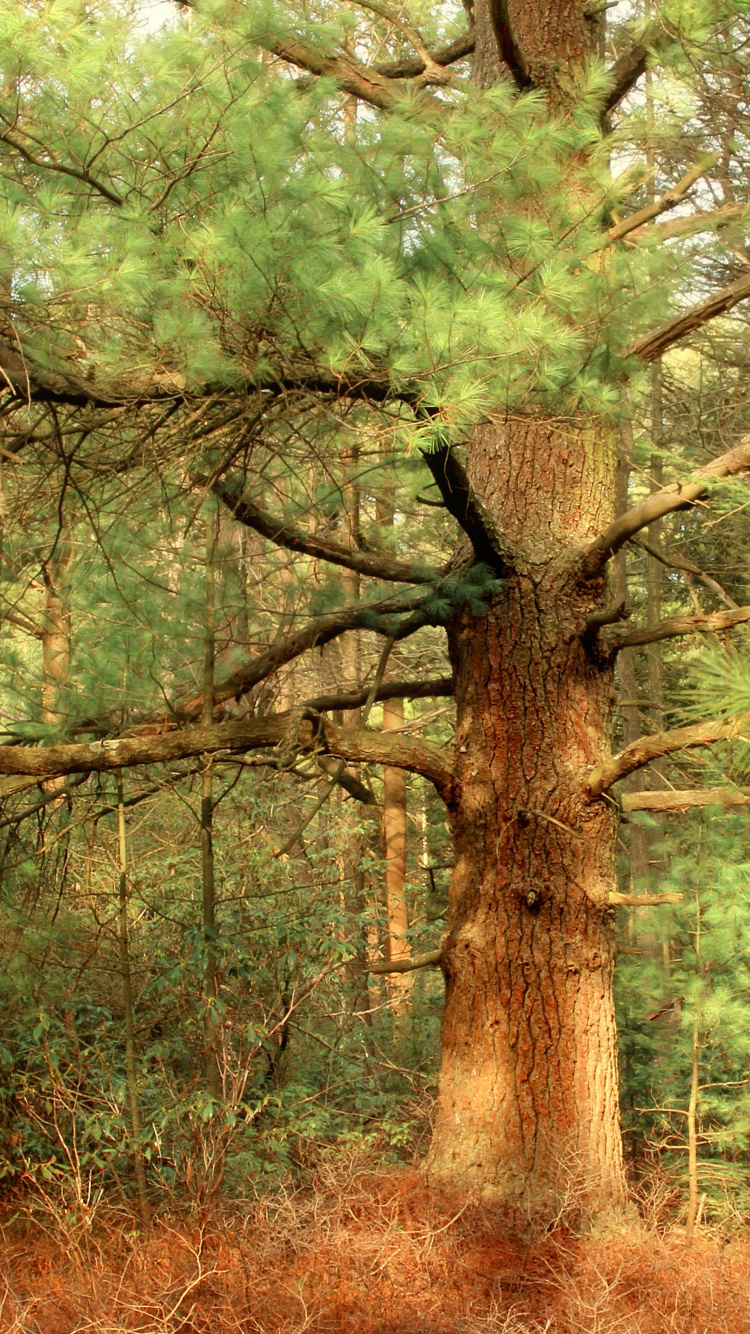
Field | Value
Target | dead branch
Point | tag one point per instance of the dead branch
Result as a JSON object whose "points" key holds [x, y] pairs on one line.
{"points": [[666, 201], [355, 746], [654, 344], [289, 535], [656, 747], [674, 561], [412, 66], [429, 960], [711, 622], [664, 801], [618, 900], [320, 630], [443, 686], [706, 221], [677, 496]]}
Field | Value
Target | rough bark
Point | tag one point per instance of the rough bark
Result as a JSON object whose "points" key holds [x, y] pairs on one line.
{"points": [[528, 1105]]}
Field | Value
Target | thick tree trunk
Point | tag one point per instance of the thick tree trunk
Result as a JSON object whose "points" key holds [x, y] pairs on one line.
{"points": [[528, 1104]]}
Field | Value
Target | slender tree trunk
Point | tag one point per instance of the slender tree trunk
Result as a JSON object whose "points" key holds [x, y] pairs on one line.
{"points": [[56, 632], [528, 1100], [394, 839], [400, 985], [692, 1115], [350, 859], [211, 997], [131, 1068]]}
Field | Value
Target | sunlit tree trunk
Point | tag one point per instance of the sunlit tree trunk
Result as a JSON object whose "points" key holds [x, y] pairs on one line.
{"points": [[528, 1102], [55, 633]]}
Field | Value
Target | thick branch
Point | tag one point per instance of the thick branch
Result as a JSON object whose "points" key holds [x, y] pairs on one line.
{"points": [[654, 344], [631, 64], [677, 496], [655, 747], [349, 781], [711, 622], [357, 747], [663, 801], [508, 45], [391, 690], [461, 501], [352, 77], [294, 538]]}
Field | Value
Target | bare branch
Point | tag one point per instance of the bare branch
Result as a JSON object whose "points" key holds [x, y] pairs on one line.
{"points": [[411, 67], [656, 747], [352, 77], [677, 496], [348, 780], [618, 900], [608, 616], [75, 173], [664, 801], [294, 538], [429, 960], [711, 622], [391, 690], [674, 561], [508, 46], [666, 201], [690, 226], [320, 630], [654, 344]]}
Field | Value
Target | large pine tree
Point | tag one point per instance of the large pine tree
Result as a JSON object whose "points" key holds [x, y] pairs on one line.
{"points": [[209, 258]]}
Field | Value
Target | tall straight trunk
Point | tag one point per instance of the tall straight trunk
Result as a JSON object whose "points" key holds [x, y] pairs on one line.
{"points": [[394, 839], [528, 1096], [350, 857], [131, 1068], [394, 823], [214, 1083], [55, 633]]}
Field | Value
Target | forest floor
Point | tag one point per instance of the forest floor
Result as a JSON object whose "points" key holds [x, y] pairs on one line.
{"points": [[360, 1251]]}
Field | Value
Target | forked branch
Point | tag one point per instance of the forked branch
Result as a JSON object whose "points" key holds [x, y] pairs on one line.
{"points": [[320, 630], [668, 200]]}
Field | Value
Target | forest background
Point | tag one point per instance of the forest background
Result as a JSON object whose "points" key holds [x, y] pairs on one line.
{"points": [[265, 276]]}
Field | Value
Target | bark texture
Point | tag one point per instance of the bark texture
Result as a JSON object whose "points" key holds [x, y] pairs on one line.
{"points": [[528, 1105]]}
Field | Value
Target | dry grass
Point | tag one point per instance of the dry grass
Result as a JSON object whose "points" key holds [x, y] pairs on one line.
{"points": [[364, 1252]]}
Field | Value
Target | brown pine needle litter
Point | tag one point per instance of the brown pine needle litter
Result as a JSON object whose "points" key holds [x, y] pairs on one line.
{"points": [[362, 1251]]}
